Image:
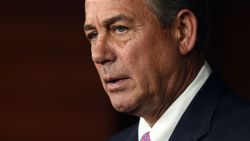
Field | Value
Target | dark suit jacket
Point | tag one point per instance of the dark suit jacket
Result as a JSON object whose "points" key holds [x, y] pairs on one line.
{"points": [[215, 114]]}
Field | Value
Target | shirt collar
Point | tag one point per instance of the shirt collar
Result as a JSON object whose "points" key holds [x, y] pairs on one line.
{"points": [[164, 127]]}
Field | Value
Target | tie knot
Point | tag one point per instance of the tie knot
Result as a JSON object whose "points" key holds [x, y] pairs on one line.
{"points": [[145, 137]]}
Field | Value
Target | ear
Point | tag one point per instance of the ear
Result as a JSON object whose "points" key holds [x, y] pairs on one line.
{"points": [[186, 31]]}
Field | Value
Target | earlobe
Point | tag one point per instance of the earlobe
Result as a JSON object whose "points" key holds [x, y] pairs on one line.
{"points": [[186, 31]]}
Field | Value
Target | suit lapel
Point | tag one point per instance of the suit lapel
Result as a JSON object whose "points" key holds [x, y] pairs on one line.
{"points": [[133, 136], [195, 122]]}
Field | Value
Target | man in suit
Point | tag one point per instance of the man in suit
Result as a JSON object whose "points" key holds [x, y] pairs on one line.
{"points": [[150, 57]]}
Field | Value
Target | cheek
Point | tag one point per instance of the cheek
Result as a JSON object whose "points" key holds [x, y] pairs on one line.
{"points": [[135, 57], [132, 55], [145, 57], [138, 54]]}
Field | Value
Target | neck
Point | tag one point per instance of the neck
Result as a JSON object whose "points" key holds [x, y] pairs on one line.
{"points": [[180, 81]]}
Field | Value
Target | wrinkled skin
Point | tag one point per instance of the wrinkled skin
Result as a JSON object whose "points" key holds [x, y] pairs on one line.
{"points": [[139, 62]]}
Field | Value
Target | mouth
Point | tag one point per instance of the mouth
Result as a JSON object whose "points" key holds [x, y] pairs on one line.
{"points": [[115, 84]]}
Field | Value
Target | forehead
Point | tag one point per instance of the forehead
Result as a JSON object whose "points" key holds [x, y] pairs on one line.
{"points": [[113, 3], [102, 9]]}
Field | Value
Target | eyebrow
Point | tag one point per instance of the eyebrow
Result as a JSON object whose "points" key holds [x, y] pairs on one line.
{"points": [[88, 27], [109, 22]]}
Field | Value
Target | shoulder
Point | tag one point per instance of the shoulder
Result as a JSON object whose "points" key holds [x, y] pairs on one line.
{"points": [[129, 134], [232, 118], [226, 114]]}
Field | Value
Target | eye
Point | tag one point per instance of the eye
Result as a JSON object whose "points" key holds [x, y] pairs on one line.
{"points": [[92, 36], [120, 29]]}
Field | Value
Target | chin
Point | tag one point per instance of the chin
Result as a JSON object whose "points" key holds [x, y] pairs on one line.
{"points": [[122, 107], [125, 106], [127, 101]]}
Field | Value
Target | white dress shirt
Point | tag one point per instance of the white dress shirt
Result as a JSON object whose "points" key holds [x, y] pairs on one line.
{"points": [[164, 127]]}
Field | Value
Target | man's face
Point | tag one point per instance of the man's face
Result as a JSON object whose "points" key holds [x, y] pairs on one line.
{"points": [[134, 56]]}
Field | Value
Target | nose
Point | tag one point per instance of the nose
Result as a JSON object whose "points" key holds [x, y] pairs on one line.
{"points": [[102, 51]]}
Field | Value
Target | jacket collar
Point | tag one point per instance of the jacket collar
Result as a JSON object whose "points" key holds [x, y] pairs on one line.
{"points": [[133, 136], [195, 122]]}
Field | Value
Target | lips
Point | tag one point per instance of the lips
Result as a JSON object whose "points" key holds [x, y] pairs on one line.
{"points": [[113, 80], [115, 84]]}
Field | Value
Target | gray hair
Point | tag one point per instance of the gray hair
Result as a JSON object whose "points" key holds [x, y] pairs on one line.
{"points": [[166, 11]]}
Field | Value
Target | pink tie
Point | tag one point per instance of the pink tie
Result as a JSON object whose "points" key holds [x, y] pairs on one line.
{"points": [[145, 137]]}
